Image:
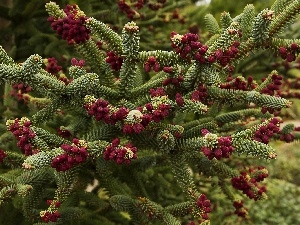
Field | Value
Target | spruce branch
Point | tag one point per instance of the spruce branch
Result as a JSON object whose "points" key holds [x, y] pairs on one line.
{"points": [[76, 71]]}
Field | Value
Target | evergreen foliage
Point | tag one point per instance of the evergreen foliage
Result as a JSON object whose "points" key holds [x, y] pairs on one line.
{"points": [[154, 129]]}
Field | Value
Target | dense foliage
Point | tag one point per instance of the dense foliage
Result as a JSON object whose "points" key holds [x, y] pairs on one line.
{"points": [[152, 121]]}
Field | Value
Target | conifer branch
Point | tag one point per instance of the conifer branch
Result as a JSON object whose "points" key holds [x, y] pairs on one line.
{"points": [[225, 20], [238, 115], [262, 21], [124, 115], [246, 19], [184, 178], [128, 70], [285, 17], [106, 34], [279, 5], [211, 24]]}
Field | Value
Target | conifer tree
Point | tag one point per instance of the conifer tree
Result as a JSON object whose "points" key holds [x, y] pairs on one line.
{"points": [[146, 126]]}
